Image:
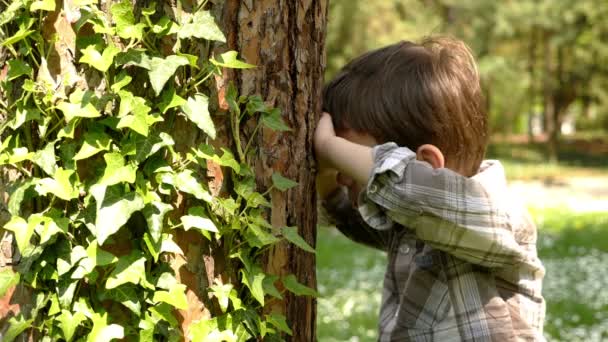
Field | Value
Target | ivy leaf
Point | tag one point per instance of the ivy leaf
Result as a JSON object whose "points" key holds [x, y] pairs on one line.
{"points": [[145, 147], [129, 269], [82, 104], [254, 281], [291, 234], [17, 196], [161, 69], [282, 183], [155, 213], [258, 237], [222, 293], [165, 26], [176, 297], [136, 105], [113, 210], [169, 99], [69, 323], [23, 115], [8, 279], [270, 288], [60, 185], [20, 154], [122, 14], [202, 26], [227, 158], [196, 220], [68, 130], [52, 223], [137, 122], [164, 311], [17, 68], [17, 325], [186, 182], [45, 158], [166, 281], [116, 171], [229, 60], [100, 61], [274, 121], [279, 322], [137, 57], [197, 111], [291, 283], [102, 332], [18, 36], [125, 295], [122, 80], [99, 256], [44, 5], [94, 142]]}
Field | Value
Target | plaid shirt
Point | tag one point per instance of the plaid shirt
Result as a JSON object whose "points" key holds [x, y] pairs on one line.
{"points": [[462, 255]]}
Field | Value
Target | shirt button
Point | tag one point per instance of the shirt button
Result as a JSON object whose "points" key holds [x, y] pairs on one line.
{"points": [[404, 249], [372, 188]]}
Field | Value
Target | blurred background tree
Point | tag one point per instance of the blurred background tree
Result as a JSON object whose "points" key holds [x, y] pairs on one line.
{"points": [[544, 64]]}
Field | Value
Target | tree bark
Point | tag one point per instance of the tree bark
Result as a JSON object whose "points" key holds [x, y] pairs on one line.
{"points": [[285, 40]]}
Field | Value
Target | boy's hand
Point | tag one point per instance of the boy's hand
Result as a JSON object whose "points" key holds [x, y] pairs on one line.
{"points": [[324, 132]]}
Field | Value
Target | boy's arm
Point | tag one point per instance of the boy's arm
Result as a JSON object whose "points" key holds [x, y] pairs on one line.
{"points": [[450, 212]]}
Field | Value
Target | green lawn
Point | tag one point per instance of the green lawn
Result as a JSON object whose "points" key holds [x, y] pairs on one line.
{"points": [[573, 247]]}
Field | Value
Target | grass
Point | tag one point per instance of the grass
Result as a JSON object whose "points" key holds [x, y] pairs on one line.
{"points": [[573, 247]]}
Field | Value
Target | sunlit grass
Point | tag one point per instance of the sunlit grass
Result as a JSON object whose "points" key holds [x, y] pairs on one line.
{"points": [[573, 248]]}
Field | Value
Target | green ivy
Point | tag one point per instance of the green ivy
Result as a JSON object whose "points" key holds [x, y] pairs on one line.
{"points": [[97, 160]]}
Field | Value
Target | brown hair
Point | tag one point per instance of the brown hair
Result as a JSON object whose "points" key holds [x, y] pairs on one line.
{"points": [[414, 94]]}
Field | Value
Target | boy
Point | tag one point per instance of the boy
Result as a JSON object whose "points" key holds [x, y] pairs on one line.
{"points": [[401, 169]]}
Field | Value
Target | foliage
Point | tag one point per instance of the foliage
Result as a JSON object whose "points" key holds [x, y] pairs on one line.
{"points": [[105, 188]]}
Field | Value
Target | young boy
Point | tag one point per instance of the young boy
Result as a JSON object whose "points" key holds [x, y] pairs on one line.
{"points": [[401, 170]]}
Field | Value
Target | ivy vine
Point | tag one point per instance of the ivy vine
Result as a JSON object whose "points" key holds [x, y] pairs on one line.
{"points": [[98, 162]]}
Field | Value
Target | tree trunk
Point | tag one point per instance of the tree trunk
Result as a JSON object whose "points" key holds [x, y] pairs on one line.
{"points": [[285, 40]]}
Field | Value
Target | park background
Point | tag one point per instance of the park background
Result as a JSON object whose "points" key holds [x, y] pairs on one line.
{"points": [[544, 69]]}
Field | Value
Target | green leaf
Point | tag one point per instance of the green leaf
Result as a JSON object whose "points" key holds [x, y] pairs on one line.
{"points": [[60, 185], [256, 236], [254, 281], [196, 220], [197, 111], [129, 269], [147, 146], [165, 26], [17, 325], [69, 323], [18, 36], [227, 158], [202, 26], [137, 122], [20, 154], [44, 5], [94, 142], [124, 17], [17, 196], [291, 283], [102, 332], [8, 279], [122, 80], [100, 61], [137, 57], [82, 104], [116, 171], [169, 99], [291, 234], [164, 311], [68, 130], [270, 288], [176, 297], [166, 281], [23, 115], [222, 293], [282, 183], [22, 231], [136, 105], [274, 121], [161, 69], [115, 206], [229, 60], [45, 158], [17, 68], [99, 256], [126, 295], [186, 182], [155, 213], [52, 223], [279, 322]]}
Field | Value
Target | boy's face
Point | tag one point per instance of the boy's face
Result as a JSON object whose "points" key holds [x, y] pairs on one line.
{"points": [[354, 188]]}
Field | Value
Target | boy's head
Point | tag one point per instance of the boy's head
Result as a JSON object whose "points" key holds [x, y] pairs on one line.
{"points": [[414, 94]]}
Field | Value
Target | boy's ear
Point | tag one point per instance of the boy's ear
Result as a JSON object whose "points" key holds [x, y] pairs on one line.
{"points": [[432, 155]]}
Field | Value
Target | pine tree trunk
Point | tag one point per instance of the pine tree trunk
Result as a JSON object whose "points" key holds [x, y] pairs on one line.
{"points": [[285, 40]]}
